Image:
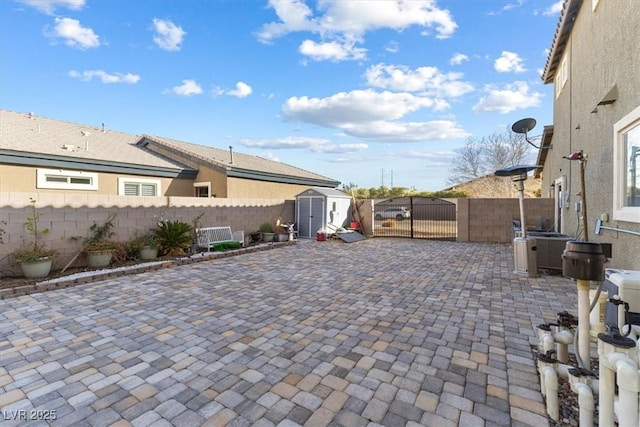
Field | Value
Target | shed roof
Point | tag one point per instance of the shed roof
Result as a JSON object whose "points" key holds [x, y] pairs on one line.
{"points": [[326, 192]]}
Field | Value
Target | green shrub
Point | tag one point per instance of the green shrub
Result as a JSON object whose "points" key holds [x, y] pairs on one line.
{"points": [[174, 237]]}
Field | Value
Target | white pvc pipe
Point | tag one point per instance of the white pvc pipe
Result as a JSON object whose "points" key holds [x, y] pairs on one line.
{"points": [[583, 323], [628, 388], [586, 404], [547, 342], [551, 392], [563, 337], [628, 379]]}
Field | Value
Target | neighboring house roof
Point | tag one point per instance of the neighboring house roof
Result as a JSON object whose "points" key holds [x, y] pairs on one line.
{"points": [[568, 15], [240, 165], [26, 139]]}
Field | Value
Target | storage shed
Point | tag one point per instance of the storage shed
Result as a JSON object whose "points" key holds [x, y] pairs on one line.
{"points": [[321, 208]]}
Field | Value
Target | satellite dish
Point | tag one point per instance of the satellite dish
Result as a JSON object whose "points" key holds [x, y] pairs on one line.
{"points": [[524, 125]]}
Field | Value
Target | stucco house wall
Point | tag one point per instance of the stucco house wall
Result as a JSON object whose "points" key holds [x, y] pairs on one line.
{"points": [[600, 56]]}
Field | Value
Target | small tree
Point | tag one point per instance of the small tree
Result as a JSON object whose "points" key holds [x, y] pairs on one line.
{"points": [[481, 157]]}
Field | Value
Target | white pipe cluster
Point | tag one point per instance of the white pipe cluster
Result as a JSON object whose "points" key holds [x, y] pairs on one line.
{"points": [[617, 366]]}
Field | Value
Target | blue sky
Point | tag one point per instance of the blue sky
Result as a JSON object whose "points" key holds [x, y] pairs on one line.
{"points": [[365, 91]]}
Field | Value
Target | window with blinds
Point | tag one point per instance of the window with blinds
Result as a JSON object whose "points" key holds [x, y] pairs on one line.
{"points": [[138, 187]]}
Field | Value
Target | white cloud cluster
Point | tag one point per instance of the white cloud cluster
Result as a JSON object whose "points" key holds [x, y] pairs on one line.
{"points": [[458, 58], [187, 88], [74, 34], [316, 145], [342, 24], [509, 62], [372, 115], [242, 90], [332, 51], [49, 6], [105, 77], [428, 81], [168, 36], [509, 98]]}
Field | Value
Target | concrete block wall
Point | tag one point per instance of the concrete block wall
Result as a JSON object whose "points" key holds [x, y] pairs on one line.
{"points": [[68, 217], [490, 220]]}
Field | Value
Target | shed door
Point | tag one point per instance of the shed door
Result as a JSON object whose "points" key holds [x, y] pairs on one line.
{"points": [[310, 215]]}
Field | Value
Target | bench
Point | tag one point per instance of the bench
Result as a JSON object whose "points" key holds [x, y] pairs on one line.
{"points": [[210, 237]]}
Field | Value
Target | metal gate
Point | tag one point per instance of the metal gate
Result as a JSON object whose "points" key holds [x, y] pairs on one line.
{"points": [[416, 218]]}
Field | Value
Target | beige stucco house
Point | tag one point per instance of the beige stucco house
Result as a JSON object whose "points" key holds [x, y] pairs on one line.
{"points": [[51, 156], [594, 66]]}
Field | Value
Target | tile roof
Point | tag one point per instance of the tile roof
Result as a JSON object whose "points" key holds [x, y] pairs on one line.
{"points": [[28, 133], [219, 158], [570, 9], [34, 135]]}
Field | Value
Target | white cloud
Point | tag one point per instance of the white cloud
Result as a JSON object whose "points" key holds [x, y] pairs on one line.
{"points": [[332, 51], [515, 96], [168, 35], [509, 62], [554, 9], [392, 47], [74, 34], [316, 145], [105, 77], [408, 131], [458, 58], [372, 115], [242, 90], [49, 6], [356, 106], [187, 88], [347, 21], [426, 80]]}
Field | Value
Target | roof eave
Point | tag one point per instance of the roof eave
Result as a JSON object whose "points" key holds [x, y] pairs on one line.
{"points": [[560, 38], [545, 146], [21, 158]]}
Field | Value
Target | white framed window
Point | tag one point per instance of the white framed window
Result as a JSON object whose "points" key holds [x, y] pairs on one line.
{"points": [[562, 75], [202, 189], [60, 179], [139, 187], [626, 168]]}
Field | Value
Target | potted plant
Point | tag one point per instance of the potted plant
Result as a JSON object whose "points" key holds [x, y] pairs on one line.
{"points": [[267, 232], [145, 247], [281, 234], [150, 248], [35, 260], [99, 247]]}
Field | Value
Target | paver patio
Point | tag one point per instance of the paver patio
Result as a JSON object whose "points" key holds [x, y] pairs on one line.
{"points": [[381, 332]]}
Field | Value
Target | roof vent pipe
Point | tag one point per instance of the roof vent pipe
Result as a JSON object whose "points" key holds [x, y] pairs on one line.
{"points": [[102, 126], [231, 153]]}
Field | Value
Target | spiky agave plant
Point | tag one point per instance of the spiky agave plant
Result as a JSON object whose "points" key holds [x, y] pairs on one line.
{"points": [[174, 237]]}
